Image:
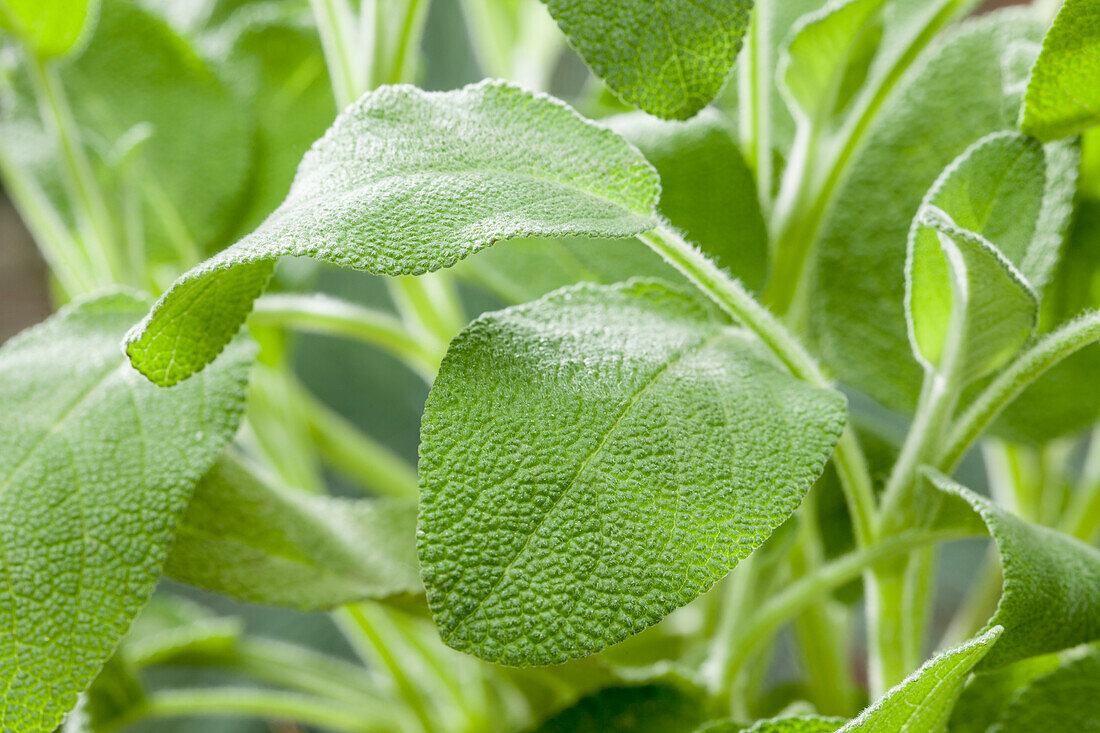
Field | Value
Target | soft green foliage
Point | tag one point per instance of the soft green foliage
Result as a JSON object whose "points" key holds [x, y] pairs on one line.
{"points": [[97, 466], [973, 223], [984, 699], [48, 27], [637, 417], [258, 542], [1063, 95], [804, 724], [1066, 700], [450, 172], [669, 59], [923, 701], [644, 709], [822, 48], [1049, 600]]}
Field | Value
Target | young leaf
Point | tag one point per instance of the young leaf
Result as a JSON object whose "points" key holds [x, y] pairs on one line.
{"points": [[645, 709], [48, 27], [406, 182], [669, 59], [923, 701], [820, 50], [1049, 600], [955, 94], [1063, 96], [258, 542], [1066, 700], [96, 465], [592, 461]]}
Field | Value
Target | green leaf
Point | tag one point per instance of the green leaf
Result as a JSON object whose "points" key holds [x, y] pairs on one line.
{"points": [[922, 702], [961, 286], [669, 59], [645, 709], [592, 461], [961, 89], [49, 27], [1066, 700], [171, 627], [1049, 601], [985, 697], [97, 464], [406, 182], [258, 542], [1063, 96], [803, 724], [821, 49]]}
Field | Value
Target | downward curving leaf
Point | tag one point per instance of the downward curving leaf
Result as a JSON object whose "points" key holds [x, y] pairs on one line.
{"points": [[1049, 600], [922, 702], [258, 542], [1067, 700], [593, 460], [96, 464], [406, 182], [1063, 96], [48, 27], [668, 58]]}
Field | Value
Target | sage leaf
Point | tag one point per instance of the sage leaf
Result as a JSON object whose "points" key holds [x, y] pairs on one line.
{"points": [[253, 540], [821, 49], [642, 709], [1063, 96], [960, 90], [669, 59], [1049, 600], [48, 27], [1066, 700], [403, 183], [923, 701], [802, 724], [592, 461], [97, 465], [985, 696], [171, 629]]}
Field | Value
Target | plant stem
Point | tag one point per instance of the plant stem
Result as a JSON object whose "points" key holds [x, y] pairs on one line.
{"points": [[1029, 366], [87, 198], [732, 297], [337, 28], [1082, 518], [265, 704], [755, 84], [327, 315]]}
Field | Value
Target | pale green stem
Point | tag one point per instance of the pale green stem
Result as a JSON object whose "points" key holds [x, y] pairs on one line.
{"points": [[337, 26], [755, 85], [737, 602], [88, 200], [327, 315], [252, 703], [1029, 366], [424, 308], [979, 605], [786, 604], [1082, 516], [408, 35], [732, 297]]}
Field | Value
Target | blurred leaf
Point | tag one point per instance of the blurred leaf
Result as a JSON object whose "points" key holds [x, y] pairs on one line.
{"points": [[1066, 700], [986, 696], [258, 542], [645, 709], [49, 27]]}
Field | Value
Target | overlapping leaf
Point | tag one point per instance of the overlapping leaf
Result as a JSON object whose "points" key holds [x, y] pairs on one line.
{"points": [[1066, 700], [598, 458], [668, 58], [406, 182], [258, 542], [1063, 95], [96, 465], [48, 27]]}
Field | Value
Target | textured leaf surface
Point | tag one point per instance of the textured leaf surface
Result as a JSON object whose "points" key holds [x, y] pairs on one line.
{"points": [[923, 701], [259, 542], [406, 182], [645, 709], [96, 465], [992, 193], [1066, 700], [1049, 601], [985, 697], [596, 459], [961, 90], [668, 58], [50, 27], [1063, 96]]}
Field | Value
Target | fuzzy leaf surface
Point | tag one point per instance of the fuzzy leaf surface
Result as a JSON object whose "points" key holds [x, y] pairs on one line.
{"points": [[592, 461], [1063, 95], [96, 465], [403, 183], [1066, 700], [253, 540], [668, 58], [1049, 601]]}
